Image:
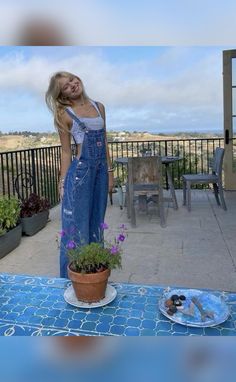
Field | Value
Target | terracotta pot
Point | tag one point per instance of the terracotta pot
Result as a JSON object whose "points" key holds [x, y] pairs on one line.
{"points": [[89, 287]]}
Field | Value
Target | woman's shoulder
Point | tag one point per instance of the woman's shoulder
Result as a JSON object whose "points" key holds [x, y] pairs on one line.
{"points": [[101, 107], [100, 104], [65, 121], [66, 117]]}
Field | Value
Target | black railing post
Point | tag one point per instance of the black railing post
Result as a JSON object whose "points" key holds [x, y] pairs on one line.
{"points": [[166, 153], [33, 171]]}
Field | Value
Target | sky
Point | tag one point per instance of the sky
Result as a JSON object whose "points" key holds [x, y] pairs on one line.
{"points": [[144, 88], [126, 22], [156, 65]]}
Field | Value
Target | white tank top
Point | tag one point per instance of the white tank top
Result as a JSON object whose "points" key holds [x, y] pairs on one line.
{"points": [[91, 123]]}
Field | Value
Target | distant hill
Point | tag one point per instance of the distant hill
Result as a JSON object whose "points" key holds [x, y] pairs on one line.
{"points": [[20, 142], [16, 142]]}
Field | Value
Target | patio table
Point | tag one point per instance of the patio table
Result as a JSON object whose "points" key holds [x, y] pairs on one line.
{"points": [[166, 160], [32, 306]]}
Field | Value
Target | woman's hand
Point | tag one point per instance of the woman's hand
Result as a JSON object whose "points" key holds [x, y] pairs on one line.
{"points": [[61, 189], [61, 193], [110, 181]]}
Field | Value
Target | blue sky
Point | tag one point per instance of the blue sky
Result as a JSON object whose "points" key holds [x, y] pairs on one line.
{"points": [[156, 89]]}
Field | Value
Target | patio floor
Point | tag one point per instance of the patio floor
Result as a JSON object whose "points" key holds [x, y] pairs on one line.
{"points": [[196, 249]]}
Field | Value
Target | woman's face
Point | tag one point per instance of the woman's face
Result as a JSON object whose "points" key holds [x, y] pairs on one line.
{"points": [[71, 87]]}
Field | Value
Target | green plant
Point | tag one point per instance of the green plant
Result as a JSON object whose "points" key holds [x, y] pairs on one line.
{"points": [[119, 181], [145, 150], [120, 175], [97, 256], [9, 213]]}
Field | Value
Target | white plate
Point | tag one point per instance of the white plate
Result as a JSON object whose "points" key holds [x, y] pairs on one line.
{"points": [[207, 299], [71, 298]]}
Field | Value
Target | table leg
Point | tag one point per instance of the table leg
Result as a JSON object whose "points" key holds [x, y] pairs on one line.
{"points": [[172, 189]]}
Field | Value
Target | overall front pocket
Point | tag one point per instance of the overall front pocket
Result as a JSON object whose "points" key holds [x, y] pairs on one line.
{"points": [[82, 170]]}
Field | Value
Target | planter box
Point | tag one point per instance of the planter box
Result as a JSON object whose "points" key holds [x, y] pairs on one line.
{"points": [[10, 240], [121, 195], [35, 223]]}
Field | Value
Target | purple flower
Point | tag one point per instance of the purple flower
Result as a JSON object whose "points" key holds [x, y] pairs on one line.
{"points": [[114, 249], [122, 226], [104, 225], [70, 245], [62, 233], [121, 237]]}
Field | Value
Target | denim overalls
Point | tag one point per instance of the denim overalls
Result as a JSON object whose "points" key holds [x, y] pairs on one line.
{"points": [[85, 193]]}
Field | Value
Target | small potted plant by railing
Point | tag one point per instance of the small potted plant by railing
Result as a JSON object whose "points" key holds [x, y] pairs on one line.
{"points": [[34, 214], [145, 151], [90, 265], [121, 189], [120, 184], [10, 226]]}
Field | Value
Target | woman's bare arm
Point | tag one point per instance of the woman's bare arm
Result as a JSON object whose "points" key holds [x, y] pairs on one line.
{"points": [[102, 110], [66, 154], [109, 163]]}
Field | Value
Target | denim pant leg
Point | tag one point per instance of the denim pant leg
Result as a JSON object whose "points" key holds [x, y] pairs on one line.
{"points": [[75, 207], [67, 219], [82, 195], [99, 200]]}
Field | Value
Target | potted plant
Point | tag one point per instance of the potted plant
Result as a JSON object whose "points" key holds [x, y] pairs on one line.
{"points": [[34, 214], [146, 151], [91, 264], [10, 227], [120, 186], [120, 189]]}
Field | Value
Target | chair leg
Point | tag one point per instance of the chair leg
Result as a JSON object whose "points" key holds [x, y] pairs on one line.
{"points": [[132, 213], [221, 193], [162, 215], [216, 193], [184, 192], [189, 196], [127, 202], [125, 198], [110, 197], [172, 189], [131, 208]]}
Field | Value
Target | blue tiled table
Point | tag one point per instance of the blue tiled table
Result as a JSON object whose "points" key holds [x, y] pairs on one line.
{"points": [[31, 306]]}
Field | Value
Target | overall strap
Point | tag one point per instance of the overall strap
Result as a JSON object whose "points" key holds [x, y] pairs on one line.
{"points": [[76, 118], [95, 104], [99, 111]]}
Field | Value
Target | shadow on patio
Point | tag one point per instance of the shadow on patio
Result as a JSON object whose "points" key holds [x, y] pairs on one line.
{"points": [[196, 249]]}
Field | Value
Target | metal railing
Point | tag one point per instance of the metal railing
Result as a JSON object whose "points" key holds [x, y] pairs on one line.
{"points": [[196, 154], [43, 164]]}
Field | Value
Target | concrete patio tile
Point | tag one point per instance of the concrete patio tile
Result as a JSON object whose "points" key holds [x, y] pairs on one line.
{"points": [[196, 249]]}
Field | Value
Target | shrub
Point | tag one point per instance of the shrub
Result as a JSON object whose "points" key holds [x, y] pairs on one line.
{"points": [[33, 205], [96, 256], [9, 213]]}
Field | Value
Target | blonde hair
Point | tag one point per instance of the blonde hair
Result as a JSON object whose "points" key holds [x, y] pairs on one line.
{"points": [[54, 100]]}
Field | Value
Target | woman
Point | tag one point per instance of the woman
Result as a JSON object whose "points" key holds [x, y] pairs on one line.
{"points": [[85, 181]]}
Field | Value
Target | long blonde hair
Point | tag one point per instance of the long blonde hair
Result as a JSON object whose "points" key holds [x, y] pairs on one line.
{"points": [[54, 100]]}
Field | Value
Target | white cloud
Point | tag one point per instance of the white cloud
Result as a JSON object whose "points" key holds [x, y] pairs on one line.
{"points": [[171, 88]]}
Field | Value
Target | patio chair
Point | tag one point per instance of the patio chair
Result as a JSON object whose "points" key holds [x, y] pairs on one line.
{"points": [[215, 178], [144, 177]]}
